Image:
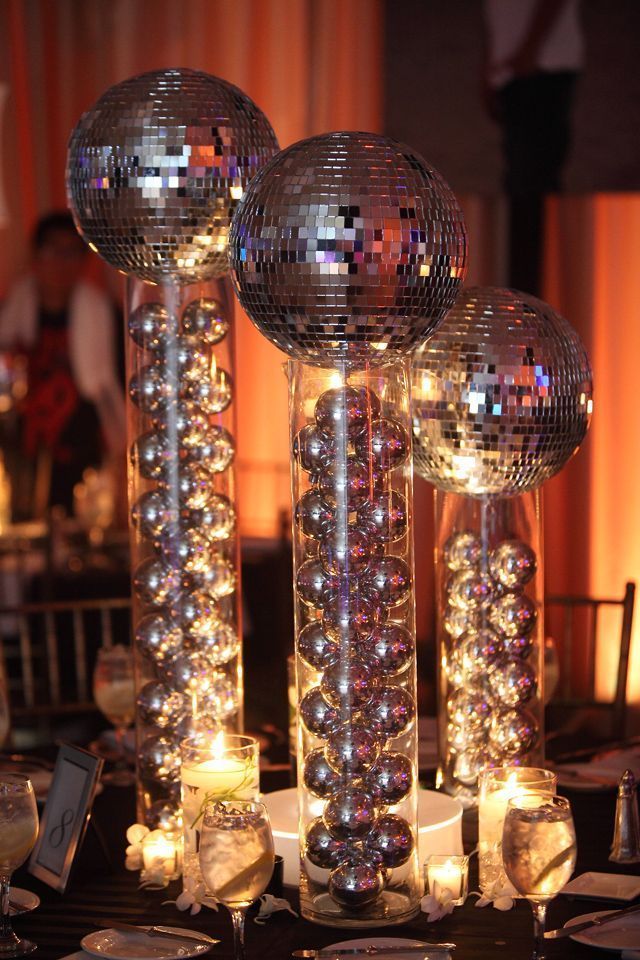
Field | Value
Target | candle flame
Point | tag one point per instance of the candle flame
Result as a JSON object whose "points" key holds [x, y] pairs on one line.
{"points": [[217, 747]]}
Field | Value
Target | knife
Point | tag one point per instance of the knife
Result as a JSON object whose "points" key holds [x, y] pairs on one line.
{"points": [[374, 951], [596, 922], [156, 932]]}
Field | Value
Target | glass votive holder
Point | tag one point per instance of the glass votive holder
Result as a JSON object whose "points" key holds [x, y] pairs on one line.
{"points": [[495, 789], [161, 857], [215, 766], [443, 872]]}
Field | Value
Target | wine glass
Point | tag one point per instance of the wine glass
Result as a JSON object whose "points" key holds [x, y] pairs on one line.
{"points": [[115, 695], [236, 858], [18, 833], [539, 852]]}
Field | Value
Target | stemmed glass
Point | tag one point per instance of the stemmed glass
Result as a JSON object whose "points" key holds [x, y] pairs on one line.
{"points": [[236, 858], [539, 852], [115, 695], [18, 834]]}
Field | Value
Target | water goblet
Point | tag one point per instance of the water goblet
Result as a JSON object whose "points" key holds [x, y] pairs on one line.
{"points": [[539, 852], [18, 833], [115, 696], [236, 858]]}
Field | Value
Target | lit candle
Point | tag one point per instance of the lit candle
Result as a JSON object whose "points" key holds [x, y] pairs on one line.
{"points": [[225, 768], [496, 787], [161, 855], [449, 873]]}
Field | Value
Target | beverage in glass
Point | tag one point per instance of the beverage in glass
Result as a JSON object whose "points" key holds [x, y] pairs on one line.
{"points": [[18, 834], [115, 697]]}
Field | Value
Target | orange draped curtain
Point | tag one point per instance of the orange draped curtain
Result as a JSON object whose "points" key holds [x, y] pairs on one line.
{"points": [[311, 65]]}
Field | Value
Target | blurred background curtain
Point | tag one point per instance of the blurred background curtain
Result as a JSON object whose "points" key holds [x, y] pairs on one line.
{"points": [[311, 66]]}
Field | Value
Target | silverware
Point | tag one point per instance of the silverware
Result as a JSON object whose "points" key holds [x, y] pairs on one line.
{"points": [[596, 922], [155, 931], [373, 951]]}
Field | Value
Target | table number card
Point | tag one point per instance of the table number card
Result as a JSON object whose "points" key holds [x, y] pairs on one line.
{"points": [[66, 815]]}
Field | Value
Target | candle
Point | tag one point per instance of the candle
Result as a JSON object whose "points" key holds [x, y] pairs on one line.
{"points": [[449, 873], [496, 787], [161, 856], [221, 768]]}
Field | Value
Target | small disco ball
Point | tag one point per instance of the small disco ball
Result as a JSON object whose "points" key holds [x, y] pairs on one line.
{"points": [[347, 246], [156, 168], [501, 395]]}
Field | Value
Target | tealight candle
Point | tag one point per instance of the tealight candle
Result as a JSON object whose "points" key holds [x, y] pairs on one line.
{"points": [[496, 787], [161, 856], [449, 873], [224, 767]]}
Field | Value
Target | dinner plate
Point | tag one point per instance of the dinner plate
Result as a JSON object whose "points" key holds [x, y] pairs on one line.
{"points": [[603, 886], [22, 901], [120, 945], [380, 943], [622, 934]]}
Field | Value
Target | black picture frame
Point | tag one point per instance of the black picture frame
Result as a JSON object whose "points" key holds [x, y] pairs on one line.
{"points": [[66, 815]]}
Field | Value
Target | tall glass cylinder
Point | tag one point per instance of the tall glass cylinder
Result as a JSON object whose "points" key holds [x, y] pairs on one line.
{"points": [[184, 546], [489, 589], [355, 643]]}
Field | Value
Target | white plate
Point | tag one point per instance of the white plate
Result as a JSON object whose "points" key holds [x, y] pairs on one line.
{"points": [[622, 934], [24, 901], [380, 943], [607, 886], [119, 945]]}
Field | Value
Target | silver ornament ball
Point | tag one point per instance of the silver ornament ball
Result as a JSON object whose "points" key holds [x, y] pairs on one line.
{"points": [[205, 318], [321, 849], [350, 813], [355, 883]]}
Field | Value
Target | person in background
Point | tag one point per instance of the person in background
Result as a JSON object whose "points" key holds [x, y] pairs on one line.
{"points": [[72, 416], [534, 52]]}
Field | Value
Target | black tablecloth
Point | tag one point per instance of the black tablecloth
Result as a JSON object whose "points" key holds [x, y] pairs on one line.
{"points": [[60, 922]]}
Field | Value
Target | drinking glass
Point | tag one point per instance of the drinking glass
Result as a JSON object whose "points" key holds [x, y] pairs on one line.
{"points": [[18, 833], [539, 852], [236, 858], [115, 696]]}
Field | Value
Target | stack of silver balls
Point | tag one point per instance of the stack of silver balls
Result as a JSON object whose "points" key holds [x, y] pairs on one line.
{"points": [[354, 589], [186, 627], [489, 620]]}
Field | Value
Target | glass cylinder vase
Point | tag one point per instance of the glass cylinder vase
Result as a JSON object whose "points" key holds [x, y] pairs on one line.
{"points": [[489, 589], [184, 547], [355, 644]]}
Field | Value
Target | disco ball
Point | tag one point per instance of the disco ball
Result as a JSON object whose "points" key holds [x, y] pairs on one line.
{"points": [[346, 246], [501, 395], [156, 168]]}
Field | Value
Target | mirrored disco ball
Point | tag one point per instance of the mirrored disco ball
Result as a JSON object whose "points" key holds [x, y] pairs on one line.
{"points": [[345, 246], [156, 168], [501, 395]]}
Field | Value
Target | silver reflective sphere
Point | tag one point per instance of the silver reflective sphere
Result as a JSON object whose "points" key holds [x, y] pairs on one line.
{"points": [[219, 646], [349, 482], [388, 580], [159, 759], [355, 883], [313, 514], [189, 672], [212, 393], [350, 813], [218, 578], [156, 168], [152, 513], [384, 517], [391, 711], [150, 390], [218, 452], [158, 637], [478, 652], [216, 519], [185, 548], [469, 589], [512, 563], [155, 583], [345, 550], [152, 327], [392, 839], [390, 647], [164, 815], [518, 646], [196, 615], [205, 318], [152, 455], [159, 705], [513, 615], [219, 699], [312, 583], [193, 486], [318, 716], [314, 646], [390, 778], [345, 411], [351, 749], [457, 621], [345, 246], [348, 682], [501, 395], [386, 442], [513, 682], [321, 849], [318, 777], [513, 731], [347, 618], [469, 711], [312, 448], [463, 551]]}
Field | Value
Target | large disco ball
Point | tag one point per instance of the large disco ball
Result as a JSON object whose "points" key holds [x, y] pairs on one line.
{"points": [[156, 168], [501, 395], [346, 246]]}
